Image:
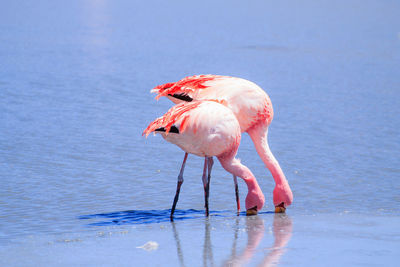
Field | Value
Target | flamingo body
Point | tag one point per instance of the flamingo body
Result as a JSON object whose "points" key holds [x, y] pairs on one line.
{"points": [[207, 129], [251, 106]]}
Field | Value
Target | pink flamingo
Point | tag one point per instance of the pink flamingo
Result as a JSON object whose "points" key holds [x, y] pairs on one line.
{"points": [[207, 129], [252, 108]]}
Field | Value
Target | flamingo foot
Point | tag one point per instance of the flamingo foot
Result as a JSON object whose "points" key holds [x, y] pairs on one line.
{"points": [[251, 211], [280, 208]]}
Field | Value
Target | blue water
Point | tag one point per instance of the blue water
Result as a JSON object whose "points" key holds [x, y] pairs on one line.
{"points": [[148, 216], [74, 99]]}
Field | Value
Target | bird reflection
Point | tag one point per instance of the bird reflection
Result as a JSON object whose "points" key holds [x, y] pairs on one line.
{"points": [[255, 232], [178, 245], [255, 228], [282, 229], [208, 259]]}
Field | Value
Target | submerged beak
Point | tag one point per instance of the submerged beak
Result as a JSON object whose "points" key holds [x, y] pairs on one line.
{"points": [[280, 208], [251, 211]]}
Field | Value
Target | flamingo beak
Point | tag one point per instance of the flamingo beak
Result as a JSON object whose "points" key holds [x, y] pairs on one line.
{"points": [[251, 211], [280, 208]]}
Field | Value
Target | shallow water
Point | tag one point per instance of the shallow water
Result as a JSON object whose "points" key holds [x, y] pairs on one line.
{"points": [[74, 100], [120, 239]]}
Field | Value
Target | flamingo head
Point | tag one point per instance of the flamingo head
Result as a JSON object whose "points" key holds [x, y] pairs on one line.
{"points": [[283, 197], [254, 201]]}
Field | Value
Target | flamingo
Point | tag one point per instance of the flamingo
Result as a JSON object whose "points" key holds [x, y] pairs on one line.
{"points": [[208, 129], [253, 110]]}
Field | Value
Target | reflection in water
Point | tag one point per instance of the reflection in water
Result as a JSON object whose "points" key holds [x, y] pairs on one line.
{"points": [[208, 259], [254, 227], [207, 249], [255, 231], [235, 238], [178, 244], [282, 229], [96, 18], [282, 232], [96, 38]]}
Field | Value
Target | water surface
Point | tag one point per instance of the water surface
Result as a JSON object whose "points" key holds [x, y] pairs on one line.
{"points": [[74, 100]]}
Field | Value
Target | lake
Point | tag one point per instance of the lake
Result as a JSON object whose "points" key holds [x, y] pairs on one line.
{"points": [[80, 185]]}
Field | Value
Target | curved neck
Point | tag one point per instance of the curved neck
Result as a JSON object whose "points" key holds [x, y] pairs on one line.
{"points": [[255, 196], [259, 135], [236, 168]]}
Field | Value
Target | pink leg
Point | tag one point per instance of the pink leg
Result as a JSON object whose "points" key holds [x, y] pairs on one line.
{"points": [[178, 187]]}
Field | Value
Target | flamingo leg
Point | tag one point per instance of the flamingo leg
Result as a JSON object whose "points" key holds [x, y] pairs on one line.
{"points": [[208, 163], [178, 186], [237, 194], [206, 185]]}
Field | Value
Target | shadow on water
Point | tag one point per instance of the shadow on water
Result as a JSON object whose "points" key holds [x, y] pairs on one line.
{"points": [[254, 227], [151, 216]]}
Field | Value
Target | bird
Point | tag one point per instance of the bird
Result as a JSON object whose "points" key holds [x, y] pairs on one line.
{"points": [[253, 109], [208, 128]]}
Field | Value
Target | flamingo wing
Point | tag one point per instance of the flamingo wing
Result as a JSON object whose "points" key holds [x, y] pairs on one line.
{"points": [[182, 88], [174, 114], [178, 113]]}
